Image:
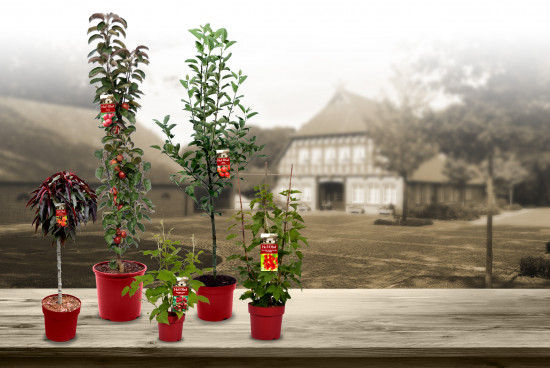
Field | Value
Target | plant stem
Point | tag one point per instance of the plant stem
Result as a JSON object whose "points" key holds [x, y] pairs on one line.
{"points": [[119, 263], [285, 223], [59, 295], [265, 199], [250, 273]]}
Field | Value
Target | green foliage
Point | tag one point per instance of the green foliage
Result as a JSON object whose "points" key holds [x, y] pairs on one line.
{"points": [[268, 288], [218, 118], [118, 73], [69, 190], [171, 266]]}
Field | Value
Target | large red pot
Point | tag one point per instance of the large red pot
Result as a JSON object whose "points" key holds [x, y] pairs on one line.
{"points": [[221, 302], [173, 331], [112, 305], [60, 326], [266, 322]]}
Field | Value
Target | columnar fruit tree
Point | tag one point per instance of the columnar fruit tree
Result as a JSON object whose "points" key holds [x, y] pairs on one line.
{"points": [[218, 118], [122, 169]]}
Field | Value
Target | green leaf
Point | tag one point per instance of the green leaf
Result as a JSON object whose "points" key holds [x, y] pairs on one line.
{"points": [[99, 172], [147, 166], [147, 184]]}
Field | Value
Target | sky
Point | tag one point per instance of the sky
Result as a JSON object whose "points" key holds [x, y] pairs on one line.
{"points": [[295, 53]]}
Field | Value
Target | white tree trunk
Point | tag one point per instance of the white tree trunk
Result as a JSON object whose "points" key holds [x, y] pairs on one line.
{"points": [[59, 295]]}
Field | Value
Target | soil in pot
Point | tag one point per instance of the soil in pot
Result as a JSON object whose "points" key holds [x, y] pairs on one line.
{"points": [[112, 305], [173, 331], [60, 320], [219, 292]]}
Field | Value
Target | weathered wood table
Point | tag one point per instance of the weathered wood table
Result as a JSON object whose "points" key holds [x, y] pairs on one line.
{"points": [[321, 328]]}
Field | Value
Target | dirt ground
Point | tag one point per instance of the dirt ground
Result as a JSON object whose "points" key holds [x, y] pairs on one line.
{"points": [[346, 251]]}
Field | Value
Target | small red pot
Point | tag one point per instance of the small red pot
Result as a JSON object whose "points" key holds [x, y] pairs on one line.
{"points": [[266, 322], [60, 326], [112, 305], [221, 302], [173, 331]]}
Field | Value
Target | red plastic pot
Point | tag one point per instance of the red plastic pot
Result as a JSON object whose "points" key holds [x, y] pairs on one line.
{"points": [[112, 305], [173, 331], [60, 326], [221, 302], [266, 322]]}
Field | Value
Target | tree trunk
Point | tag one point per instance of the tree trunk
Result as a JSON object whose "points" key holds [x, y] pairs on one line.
{"points": [[490, 195], [214, 246], [405, 199], [59, 295], [119, 263]]}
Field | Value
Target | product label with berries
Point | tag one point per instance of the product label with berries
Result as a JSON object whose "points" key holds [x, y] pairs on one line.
{"points": [[269, 252], [180, 296], [223, 163], [61, 217]]}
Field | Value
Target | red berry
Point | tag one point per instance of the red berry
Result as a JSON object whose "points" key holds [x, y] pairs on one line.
{"points": [[114, 191], [117, 231], [119, 158], [222, 174], [228, 167], [125, 106], [120, 206], [113, 162], [117, 168], [227, 174], [219, 169], [122, 175], [117, 240], [123, 234], [224, 169]]}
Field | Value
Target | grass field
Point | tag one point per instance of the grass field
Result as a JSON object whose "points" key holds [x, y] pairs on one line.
{"points": [[346, 251]]}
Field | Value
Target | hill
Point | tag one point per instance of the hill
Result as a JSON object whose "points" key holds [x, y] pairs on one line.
{"points": [[39, 139]]}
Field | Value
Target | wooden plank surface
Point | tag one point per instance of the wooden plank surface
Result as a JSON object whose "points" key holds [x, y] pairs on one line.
{"points": [[318, 323]]}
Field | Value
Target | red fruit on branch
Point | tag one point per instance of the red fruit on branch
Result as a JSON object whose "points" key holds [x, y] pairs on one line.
{"points": [[113, 162], [224, 169], [117, 231], [123, 234], [114, 191], [117, 168], [122, 175], [117, 240], [125, 106], [222, 174], [227, 174], [120, 206], [119, 158], [228, 167]]}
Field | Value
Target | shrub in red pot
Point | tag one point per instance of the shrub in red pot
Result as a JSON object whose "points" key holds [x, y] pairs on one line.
{"points": [[170, 289], [63, 201], [272, 258], [220, 142], [122, 170]]}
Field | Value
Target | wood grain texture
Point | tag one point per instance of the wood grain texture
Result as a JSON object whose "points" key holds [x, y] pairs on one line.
{"points": [[400, 325]]}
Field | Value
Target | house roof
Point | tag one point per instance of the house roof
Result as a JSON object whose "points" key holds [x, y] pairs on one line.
{"points": [[433, 171], [345, 113]]}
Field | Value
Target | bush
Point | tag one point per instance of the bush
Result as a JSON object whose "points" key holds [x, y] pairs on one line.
{"points": [[513, 207], [534, 267], [441, 211], [409, 222]]}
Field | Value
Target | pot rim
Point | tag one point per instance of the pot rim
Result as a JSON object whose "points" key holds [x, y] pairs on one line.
{"points": [[272, 311], [119, 275]]}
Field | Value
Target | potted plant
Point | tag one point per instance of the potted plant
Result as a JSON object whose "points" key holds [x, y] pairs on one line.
{"points": [[272, 260], [63, 201], [122, 170], [172, 291], [219, 144]]}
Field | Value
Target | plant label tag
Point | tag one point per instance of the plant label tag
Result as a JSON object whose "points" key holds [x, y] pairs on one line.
{"points": [[269, 252], [180, 296], [61, 217], [223, 163], [108, 110]]}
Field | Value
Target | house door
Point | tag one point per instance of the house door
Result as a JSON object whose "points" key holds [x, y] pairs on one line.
{"points": [[331, 196]]}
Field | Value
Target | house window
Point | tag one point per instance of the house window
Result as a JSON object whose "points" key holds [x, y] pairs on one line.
{"points": [[306, 194], [303, 156], [330, 156], [358, 194], [389, 193], [316, 156], [358, 154], [343, 155], [373, 193]]}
